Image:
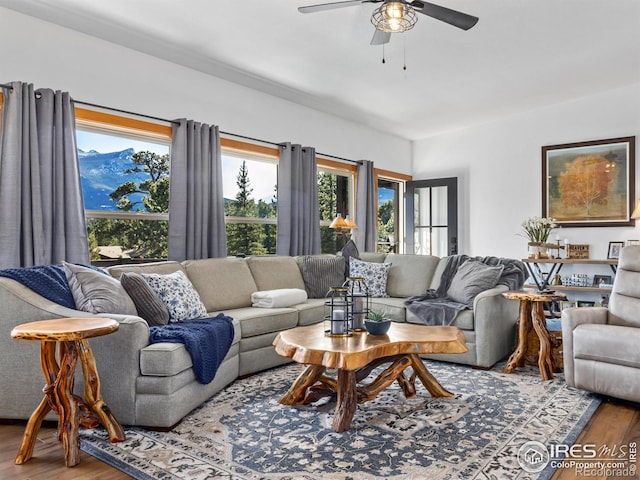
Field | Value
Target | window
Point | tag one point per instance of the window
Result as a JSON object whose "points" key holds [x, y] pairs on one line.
{"points": [[124, 171], [250, 175], [391, 187], [335, 195]]}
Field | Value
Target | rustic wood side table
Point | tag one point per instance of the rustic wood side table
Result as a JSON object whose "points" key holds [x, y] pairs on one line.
{"points": [[70, 335], [532, 316]]}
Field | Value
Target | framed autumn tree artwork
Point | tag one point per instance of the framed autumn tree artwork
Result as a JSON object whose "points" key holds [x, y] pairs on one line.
{"points": [[589, 184]]}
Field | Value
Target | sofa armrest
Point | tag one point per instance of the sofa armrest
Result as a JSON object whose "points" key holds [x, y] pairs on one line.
{"points": [[494, 319], [572, 318], [492, 292], [118, 362]]}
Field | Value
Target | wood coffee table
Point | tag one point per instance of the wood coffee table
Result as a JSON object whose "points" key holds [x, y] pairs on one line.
{"points": [[356, 356]]}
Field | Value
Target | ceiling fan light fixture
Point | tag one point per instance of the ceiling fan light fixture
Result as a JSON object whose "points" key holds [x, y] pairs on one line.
{"points": [[394, 17]]}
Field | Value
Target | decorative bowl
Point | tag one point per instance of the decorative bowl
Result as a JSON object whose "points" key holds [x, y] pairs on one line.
{"points": [[377, 328]]}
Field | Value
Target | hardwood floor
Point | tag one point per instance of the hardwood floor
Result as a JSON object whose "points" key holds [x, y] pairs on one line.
{"points": [[614, 423]]}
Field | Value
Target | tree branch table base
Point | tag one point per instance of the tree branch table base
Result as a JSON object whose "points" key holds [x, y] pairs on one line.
{"points": [[70, 336], [356, 357], [531, 316]]}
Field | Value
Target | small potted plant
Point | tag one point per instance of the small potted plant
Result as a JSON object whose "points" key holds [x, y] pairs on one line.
{"points": [[377, 322]]}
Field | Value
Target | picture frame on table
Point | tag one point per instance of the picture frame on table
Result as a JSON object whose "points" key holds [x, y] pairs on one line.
{"points": [[586, 303], [614, 250], [608, 166], [568, 304], [602, 280]]}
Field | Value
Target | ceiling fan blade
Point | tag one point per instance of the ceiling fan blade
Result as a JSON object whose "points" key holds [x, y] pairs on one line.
{"points": [[329, 6], [380, 37], [452, 17]]}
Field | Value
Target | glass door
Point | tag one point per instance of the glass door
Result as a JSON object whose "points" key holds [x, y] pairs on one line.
{"points": [[432, 217]]}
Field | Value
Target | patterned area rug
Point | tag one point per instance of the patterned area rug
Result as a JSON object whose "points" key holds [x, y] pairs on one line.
{"points": [[244, 433]]}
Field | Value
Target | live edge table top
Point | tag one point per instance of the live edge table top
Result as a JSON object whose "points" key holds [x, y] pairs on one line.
{"points": [[310, 345]]}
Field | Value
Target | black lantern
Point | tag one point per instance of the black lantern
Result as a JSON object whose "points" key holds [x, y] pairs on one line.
{"points": [[360, 299], [337, 313]]}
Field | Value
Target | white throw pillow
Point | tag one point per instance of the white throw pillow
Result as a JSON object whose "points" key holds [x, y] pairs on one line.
{"points": [[278, 298], [375, 274], [178, 294]]}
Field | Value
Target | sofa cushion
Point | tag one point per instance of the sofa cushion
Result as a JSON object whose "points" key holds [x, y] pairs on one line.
{"points": [[222, 283], [164, 359], [96, 292], [154, 267], [321, 272], [148, 304], [374, 257], [375, 274], [258, 321], [410, 275], [178, 295], [272, 273], [310, 312], [470, 279]]}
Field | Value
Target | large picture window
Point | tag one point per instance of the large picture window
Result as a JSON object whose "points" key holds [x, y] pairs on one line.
{"points": [[124, 171], [250, 202]]}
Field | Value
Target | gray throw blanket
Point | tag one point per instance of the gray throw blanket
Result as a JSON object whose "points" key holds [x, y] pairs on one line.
{"points": [[435, 308]]}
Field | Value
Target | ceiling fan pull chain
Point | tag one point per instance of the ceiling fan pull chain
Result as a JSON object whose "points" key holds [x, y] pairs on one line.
{"points": [[383, 60], [404, 51]]}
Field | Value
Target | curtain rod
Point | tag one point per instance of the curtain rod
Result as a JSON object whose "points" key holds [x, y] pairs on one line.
{"points": [[174, 122]]}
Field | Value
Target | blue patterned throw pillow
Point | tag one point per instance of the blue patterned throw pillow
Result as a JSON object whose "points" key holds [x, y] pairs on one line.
{"points": [[178, 294], [375, 274]]}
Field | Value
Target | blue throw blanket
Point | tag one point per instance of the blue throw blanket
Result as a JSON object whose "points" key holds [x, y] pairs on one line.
{"points": [[207, 340], [48, 281]]}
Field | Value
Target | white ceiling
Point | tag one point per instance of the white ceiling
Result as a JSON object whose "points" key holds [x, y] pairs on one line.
{"points": [[522, 54]]}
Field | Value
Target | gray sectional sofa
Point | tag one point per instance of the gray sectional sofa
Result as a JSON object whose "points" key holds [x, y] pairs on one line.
{"points": [[154, 384]]}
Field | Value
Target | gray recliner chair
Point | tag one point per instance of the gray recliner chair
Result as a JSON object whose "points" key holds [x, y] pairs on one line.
{"points": [[601, 346]]}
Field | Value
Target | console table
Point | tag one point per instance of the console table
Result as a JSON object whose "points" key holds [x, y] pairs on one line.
{"points": [[70, 335], [544, 280]]}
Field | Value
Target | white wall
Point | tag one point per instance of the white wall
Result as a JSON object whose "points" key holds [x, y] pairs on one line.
{"points": [[96, 71], [499, 167]]}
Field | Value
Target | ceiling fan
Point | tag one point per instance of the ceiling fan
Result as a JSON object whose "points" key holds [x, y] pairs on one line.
{"points": [[396, 16]]}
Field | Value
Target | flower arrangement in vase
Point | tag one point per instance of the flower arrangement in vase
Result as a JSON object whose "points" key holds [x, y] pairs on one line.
{"points": [[537, 230]]}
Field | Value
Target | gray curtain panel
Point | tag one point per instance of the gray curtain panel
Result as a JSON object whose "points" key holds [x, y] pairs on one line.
{"points": [[196, 207], [365, 235], [298, 210], [41, 206]]}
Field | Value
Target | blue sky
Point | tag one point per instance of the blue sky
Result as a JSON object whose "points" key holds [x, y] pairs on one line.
{"points": [[262, 175]]}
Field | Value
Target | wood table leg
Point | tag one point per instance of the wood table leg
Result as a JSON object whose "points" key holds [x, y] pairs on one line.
{"points": [[347, 400], [427, 379], [546, 363], [297, 393], [50, 370], [92, 395], [524, 325], [69, 421]]}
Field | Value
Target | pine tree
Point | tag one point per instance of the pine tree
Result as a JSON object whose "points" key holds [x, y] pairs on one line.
{"points": [[327, 186], [146, 238], [244, 238]]}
